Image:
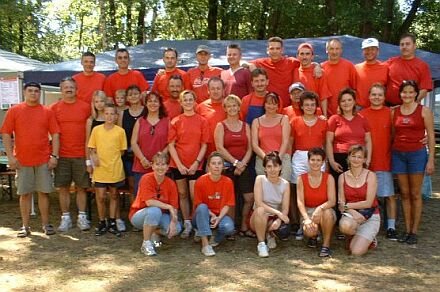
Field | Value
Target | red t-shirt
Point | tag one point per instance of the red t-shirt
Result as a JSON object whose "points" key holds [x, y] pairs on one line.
{"points": [[160, 83], [305, 137], [368, 74], [238, 83], [380, 125], [215, 194], [340, 75], [214, 113], [314, 197], [88, 84], [72, 118], [199, 81], [409, 130], [173, 108], [30, 126], [280, 75], [347, 133], [118, 81], [189, 133], [149, 189], [316, 85], [401, 69]]}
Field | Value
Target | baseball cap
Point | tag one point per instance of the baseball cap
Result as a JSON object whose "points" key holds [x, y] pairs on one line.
{"points": [[32, 84], [296, 85], [203, 48], [370, 42], [305, 45]]}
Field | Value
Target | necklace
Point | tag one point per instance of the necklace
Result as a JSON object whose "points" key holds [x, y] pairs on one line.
{"points": [[356, 178], [310, 122], [317, 180]]}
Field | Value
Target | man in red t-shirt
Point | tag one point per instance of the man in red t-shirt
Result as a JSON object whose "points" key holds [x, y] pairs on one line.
{"points": [[212, 110], [172, 105], [341, 73], [237, 79], [160, 83], [71, 115], [200, 75], [407, 66], [32, 158], [124, 77], [88, 81], [370, 71], [213, 197]]}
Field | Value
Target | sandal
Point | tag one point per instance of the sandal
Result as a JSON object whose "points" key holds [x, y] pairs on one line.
{"points": [[48, 229], [24, 232], [247, 233], [325, 252]]}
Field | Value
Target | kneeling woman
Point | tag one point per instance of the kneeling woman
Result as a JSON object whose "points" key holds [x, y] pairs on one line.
{"points": [[213, 197], [357, 202], [271, 208], [155, 207], [316, 198]]}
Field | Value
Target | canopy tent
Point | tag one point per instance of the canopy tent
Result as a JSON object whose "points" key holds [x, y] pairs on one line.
{"points": [[11, 62], [148, 57]]}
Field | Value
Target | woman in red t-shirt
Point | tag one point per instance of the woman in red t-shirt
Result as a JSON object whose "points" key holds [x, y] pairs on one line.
{"points": [[316, 196], [410, 161], [233, 141], [360, 220], [150, 135]]}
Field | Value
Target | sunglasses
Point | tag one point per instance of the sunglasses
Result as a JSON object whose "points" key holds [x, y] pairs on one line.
{"points": [[158, 192], [152, 130]]}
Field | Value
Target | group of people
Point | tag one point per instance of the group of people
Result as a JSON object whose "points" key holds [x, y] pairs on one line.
{"points": [[275, 147]]}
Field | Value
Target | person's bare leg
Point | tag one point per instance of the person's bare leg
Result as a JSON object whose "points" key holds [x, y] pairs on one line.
{"points": [[43, 205], [327, 224], [25, 208], [191, 185], [415, 181], [114, 202], [182, 189], [391, 207], [259, 223], [406, 201], [247, 206], [359, 245], [100, 194], [64, 195], [204, 241], [81, 199], [148, 230]]}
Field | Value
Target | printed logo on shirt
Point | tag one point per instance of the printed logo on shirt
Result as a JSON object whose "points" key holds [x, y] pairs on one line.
{"points": [[215, 196]]}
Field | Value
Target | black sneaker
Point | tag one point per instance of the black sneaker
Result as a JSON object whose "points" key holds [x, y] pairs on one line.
{"points": [[391, 234], [101, 229], [412, 239], [312, 243], [113, 229], [403, 237]]}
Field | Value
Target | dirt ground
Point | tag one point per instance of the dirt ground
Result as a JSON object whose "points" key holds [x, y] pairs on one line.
{"points": [[80, 261]]}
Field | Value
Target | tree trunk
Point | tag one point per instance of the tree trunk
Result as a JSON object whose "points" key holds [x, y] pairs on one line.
{"points": [[102, 25], [81, 30], [153, 32], [367, 24], [389, 16], [224, 31], [409, 19], [261, 31], [140, 31], [212, 19], [274, 17], [332, 27], [188, 14], [128, 33], [113, 28]]}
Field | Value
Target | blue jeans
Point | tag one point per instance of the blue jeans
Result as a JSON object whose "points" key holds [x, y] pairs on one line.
{"points": [[201, 221], [153, 216]]}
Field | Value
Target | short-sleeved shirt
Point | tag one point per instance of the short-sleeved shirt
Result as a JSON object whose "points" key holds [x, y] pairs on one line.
{"points": [[368, 74], [215, 194], [108, 145], [88, 84], [214, 113], [347, 133], [118, 81], [188, 133], [380, 125], [401, 69], [340, 75], [237, 82], [280, 75], [72, 119], [160, 83], [149, 189], [307, 137], [199, 81], [173, 108], [30, 126], [311, 83]]}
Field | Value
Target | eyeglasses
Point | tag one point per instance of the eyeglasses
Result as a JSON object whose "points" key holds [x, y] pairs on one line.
{"points": [[152, 130]]}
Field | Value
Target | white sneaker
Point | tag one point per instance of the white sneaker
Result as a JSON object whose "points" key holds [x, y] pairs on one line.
{"points": [[82, 223], [120, 224], [271, 242], [187, 231], [156, 240], [263, 250], [147, 248], [65, 224], [208, 251], [299, 235]]}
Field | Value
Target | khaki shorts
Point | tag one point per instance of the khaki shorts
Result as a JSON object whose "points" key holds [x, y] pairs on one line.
{"points": [[71, 169], [369, 228], [311, 210], [30, 179], [286, 167]]}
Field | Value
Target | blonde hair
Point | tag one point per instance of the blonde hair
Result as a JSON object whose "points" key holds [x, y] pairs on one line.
{"points": [[97, 94], [185, 92], [231, 98]]}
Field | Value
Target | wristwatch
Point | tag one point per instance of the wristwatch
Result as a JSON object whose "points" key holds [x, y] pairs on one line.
{"points": [[55, 156], [235, 162]]}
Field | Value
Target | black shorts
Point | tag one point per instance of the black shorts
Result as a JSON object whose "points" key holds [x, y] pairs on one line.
{"points": [[176, 175], [110, 185], [243, 183]]}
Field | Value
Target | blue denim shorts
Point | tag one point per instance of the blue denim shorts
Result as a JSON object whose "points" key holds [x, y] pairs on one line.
{"points": [[409, 162], [385, 184]]}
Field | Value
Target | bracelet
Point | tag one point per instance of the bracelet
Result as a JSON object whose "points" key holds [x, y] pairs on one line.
{"points": [[198, 161], [235, 162], [55, 156], [345, 207], [88, 162]]}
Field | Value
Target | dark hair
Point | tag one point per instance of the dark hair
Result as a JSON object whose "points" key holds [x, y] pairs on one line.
{"points": [[216, 79], [88, 54], [170, 50], [175, 77], [308, 95], [121, 50], [276, 39], [351, 92], [272, 156], [133, 87], [411, 83], [212, 155], [32, 84], [272, 96], [408, 35], [68, 78], [316, 151], [257, 72], [377, 85], [162, 110], [234, 46], [354, 149], [327, 43]]}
